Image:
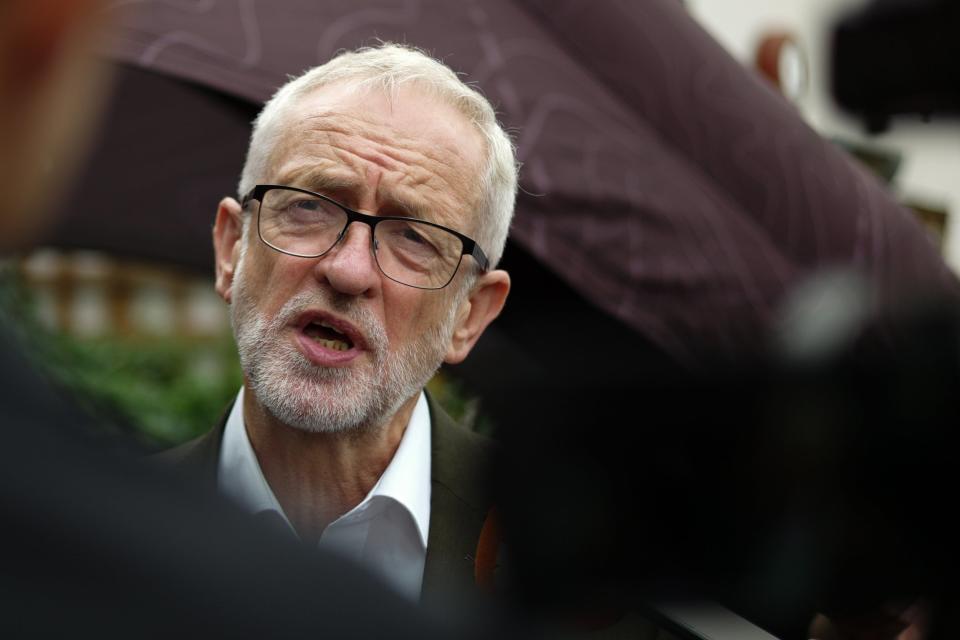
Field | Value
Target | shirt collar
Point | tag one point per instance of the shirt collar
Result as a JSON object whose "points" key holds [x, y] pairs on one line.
{"points": [[239, 476], [406, 480]]}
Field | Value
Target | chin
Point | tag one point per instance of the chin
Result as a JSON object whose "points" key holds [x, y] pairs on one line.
{"points": [[329, 406]]}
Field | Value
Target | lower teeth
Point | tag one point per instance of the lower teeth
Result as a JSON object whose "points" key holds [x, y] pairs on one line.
{"points": [[336, 345]]}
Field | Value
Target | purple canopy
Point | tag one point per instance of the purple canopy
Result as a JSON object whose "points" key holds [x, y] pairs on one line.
{"points": [[663, 181]]}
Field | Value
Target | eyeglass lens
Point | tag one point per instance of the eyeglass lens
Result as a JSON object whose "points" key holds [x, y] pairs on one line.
{"points": [[408, 251]]}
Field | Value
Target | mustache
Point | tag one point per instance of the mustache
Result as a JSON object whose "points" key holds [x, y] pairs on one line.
{"points": [[347, 307]]}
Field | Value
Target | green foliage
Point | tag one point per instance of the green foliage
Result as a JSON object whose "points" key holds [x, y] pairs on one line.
{"points": [[168, 390], [163, 390]]}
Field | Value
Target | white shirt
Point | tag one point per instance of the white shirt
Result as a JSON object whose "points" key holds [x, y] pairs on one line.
{"points": [[386, 532]]}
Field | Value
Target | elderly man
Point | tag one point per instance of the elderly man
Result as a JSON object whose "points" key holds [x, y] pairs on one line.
{"points": [[91, 536], [376, 199]]}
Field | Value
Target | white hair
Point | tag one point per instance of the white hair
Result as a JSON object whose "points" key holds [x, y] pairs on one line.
{"points": [[388, 67]]}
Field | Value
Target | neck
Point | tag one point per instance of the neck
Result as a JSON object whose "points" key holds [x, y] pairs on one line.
{"points": [[318, 477]]}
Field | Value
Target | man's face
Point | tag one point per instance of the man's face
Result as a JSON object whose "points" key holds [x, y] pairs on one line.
{"points": [[293, 316]]}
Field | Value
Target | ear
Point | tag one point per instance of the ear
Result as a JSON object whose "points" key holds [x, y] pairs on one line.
{"points": [[484, 303], [227, 236]]}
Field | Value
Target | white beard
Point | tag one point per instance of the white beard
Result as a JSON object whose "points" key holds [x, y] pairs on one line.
{"points": [[318, 399]]}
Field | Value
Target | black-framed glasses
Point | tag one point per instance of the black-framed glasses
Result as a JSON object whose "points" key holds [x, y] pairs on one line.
{"points": [[413, 252]]}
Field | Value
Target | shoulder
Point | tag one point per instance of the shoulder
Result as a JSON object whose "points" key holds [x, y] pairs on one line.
{"points": [[451, 434], [187, 453], [200, 456], [461, 458], [460, 500]]}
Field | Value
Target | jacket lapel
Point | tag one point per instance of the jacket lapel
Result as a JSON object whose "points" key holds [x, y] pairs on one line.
{"points": [[459, 503], [200, 456]]}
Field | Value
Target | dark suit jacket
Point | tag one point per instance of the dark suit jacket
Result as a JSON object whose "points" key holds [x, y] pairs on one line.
{"points": [[459, 500]]}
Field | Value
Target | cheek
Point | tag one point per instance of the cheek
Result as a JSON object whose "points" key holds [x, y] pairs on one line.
{"points": [[413, 315], [273, 278]]}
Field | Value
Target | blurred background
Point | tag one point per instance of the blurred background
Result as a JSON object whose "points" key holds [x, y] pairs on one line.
{"points": [[919, 161], [629, 224]]}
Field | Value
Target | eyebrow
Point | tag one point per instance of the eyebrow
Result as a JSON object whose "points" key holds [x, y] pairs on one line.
{"points": [[320, 181], [406, 208], [328, 184]]}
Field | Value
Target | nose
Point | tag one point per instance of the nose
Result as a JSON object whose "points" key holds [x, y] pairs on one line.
{"points": [[349, 266]]}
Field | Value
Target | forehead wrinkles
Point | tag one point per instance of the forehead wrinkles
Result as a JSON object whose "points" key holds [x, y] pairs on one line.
{"points": [[430, 165]]}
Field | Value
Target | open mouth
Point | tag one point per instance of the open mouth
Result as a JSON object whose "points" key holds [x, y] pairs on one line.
{"points": [[326, 336]]}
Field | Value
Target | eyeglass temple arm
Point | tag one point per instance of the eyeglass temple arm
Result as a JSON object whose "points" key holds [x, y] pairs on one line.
{"points": [[481, 258]]}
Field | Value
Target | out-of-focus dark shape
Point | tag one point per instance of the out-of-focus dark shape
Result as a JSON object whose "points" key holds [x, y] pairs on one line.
{"points": [[818, 480], [898, 57]]}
